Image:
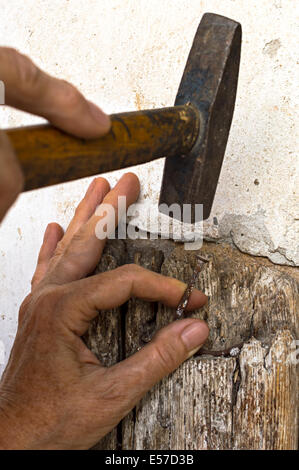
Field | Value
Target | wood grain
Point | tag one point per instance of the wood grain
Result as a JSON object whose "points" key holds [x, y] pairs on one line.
{"points": [[245, 402]]}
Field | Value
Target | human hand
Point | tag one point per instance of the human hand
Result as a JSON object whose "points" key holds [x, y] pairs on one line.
{"points": [[32, 90], [54, 393]]}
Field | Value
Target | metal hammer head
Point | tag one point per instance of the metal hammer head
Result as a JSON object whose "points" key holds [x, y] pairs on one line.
{"points": [[209, 84]]}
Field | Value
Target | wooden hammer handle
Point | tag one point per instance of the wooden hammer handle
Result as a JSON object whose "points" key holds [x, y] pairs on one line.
{"points": [[49, 156]]}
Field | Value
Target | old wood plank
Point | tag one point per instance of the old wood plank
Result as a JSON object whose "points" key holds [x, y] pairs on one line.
{"points": [[104, 337], [212, 403], [187, 410], [264, 416]]}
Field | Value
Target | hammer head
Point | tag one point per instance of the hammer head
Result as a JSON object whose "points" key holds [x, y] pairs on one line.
{"points": [[209, 84]]}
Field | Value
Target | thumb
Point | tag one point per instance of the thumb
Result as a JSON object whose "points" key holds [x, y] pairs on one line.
{"points": [[170, 347], [11, 178]]}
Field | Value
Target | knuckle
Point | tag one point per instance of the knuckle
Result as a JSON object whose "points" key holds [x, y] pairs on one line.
{"points": [[27, 72], [69, 97], [131, 270], [77, 245], [8, 51], [166, 356], [48, 299], [44, 310], [8, 54], [59, 249], [69, 255], [112, 388]]}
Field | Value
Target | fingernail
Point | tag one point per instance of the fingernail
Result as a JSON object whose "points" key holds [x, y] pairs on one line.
{"points": [[194, 336], [100, 116]]}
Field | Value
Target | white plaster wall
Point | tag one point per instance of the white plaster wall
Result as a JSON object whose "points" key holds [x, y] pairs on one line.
{"points": [[130, 54]]}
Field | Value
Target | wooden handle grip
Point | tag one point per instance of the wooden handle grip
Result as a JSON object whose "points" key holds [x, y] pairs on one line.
{"points": [[49, 156]]}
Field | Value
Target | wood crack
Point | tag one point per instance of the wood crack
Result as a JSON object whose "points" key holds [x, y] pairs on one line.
{"points": [[212, 401]]}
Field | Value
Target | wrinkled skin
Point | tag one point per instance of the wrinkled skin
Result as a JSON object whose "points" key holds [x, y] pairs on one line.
{"points": [[54, 393]]}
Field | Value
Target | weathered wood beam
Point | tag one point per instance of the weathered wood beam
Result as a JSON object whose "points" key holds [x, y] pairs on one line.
{"points": [[248, 401]]}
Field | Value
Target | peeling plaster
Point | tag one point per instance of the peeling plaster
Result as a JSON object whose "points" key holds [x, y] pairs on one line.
{"points": [[251, 235], [272, 47]]}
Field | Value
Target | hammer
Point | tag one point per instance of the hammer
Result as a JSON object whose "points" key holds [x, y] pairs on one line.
{"points": [[192, 134]]}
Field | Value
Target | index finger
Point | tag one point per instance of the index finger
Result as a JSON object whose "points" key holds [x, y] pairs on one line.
{"points": [[30, 89]]}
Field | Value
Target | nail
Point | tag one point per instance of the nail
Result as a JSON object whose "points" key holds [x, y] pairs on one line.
{"points": [[194, 336], [191, 353], [100, 116]]}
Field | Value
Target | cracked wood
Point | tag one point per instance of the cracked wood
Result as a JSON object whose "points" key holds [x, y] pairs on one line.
{"points": [[243, 402]]}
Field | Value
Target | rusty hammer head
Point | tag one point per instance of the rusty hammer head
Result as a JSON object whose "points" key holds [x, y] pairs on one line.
{"points": [[209, 84]]}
